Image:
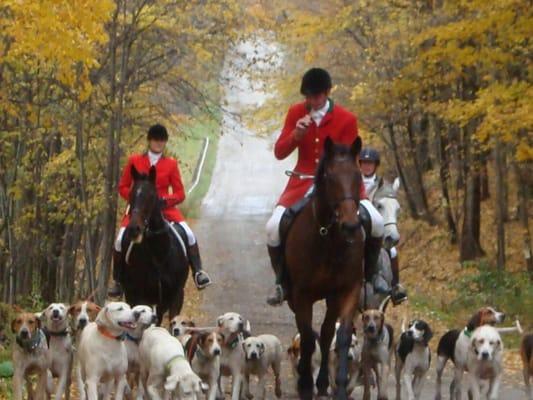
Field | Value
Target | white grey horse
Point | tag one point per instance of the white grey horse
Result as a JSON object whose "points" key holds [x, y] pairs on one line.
{"points": [[385, 198]]}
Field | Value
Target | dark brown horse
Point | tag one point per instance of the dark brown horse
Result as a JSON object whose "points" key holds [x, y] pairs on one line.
{"points": [[324, 260], [156, 265]]}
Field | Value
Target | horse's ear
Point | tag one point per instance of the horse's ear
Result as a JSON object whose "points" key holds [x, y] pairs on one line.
{"points": [[328, 146], [396, 185], [134, 173], [151, 175], [356, 147]]}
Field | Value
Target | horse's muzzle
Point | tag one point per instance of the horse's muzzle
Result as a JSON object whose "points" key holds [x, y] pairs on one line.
{"points": [[349, 229]]}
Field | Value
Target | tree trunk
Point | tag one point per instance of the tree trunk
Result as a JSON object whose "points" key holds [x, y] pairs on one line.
{"points": [[108, 215], [444, 175], [412, 205], [418, 172], [499, 205], [523, 215], [470, 248]]}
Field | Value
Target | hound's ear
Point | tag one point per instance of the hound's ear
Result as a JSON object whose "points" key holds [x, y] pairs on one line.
{"points": [[13, 325], [396, 184], [356, 147], [71, 310], [381, 321], [134, 173], [152, 174], [428, 334], [474, 321], [17, 309], [171, 383], [41, 316]]}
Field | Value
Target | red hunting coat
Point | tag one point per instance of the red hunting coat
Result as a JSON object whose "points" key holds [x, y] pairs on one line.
{"points": [[339, 124], [167, 176]]}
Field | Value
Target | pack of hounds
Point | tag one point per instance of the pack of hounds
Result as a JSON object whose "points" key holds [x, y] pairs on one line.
{"points": [[119, 350]]}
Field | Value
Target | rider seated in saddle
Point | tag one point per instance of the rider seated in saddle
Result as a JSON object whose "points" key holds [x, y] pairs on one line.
{"points": [[307, 125], [369, 160], [167, 176]]}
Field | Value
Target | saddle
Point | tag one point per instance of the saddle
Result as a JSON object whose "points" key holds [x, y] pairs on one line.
{"points": [[182, 235]]}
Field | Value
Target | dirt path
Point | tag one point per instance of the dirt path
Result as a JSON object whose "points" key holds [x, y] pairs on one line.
{"points": [[245, 185]]}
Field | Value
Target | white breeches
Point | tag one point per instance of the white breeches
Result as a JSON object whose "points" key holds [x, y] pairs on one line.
{"points": [[191, 239], [272, 226]]}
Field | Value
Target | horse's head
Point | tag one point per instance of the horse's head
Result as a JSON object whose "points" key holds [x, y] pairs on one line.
{"points": [[386, 201], [338, 181], [143, 202]]}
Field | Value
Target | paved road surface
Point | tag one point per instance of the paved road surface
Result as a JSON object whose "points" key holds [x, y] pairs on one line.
{"points": [[245, 186]]}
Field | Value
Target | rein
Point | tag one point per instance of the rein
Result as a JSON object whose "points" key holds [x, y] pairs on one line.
{"points": [[324, 229]]}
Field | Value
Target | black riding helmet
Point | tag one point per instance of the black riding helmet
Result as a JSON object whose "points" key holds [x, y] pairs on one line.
{"points": [[315, 81], [157, 132], [369, 154]]}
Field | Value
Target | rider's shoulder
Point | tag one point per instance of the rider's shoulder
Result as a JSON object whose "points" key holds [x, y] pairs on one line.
{"points": [[136, 157]]}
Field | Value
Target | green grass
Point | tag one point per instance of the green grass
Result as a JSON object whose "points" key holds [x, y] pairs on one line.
{"points": [[187, 149]]}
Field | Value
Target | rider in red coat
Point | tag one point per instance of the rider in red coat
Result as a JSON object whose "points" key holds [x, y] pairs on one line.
{"points": [[171, 193], [306, 127]]}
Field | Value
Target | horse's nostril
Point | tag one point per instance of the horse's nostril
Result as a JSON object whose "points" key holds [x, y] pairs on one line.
{"points": [[349, 228]]}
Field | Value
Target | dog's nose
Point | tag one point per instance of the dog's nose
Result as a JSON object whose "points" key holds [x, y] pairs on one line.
{"points": [[216, 352], [370, 328], [253, 356], [176, 332], [55, 313], [24, 333], [241, 326], [82, 322], [485, 355]]}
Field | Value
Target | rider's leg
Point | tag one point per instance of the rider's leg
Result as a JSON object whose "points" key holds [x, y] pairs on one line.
{"points": [[373, 224], [201, 278], [118, 267], [399, 293], [275, 252]]}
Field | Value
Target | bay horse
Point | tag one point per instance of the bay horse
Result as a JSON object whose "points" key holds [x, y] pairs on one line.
{"points": [[156, 264], [324, 260]]}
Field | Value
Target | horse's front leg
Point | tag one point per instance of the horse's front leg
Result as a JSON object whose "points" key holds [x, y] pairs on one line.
{"points": [[326, 335], [304, 321], [348, 306]]}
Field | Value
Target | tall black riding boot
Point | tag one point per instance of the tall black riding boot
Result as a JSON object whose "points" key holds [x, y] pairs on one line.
{"points": [[398, 294], [372, 250], [201, 278], [276, 259], [118, 271]]}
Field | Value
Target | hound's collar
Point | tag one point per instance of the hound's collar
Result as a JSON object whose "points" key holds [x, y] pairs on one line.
{"points": [[64, 332], [31, 344], [132, 338], [467, 332], [104, 332], [233, 340]]}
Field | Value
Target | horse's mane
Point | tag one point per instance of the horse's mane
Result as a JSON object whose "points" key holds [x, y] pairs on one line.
{"points": [[339, 152]]}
